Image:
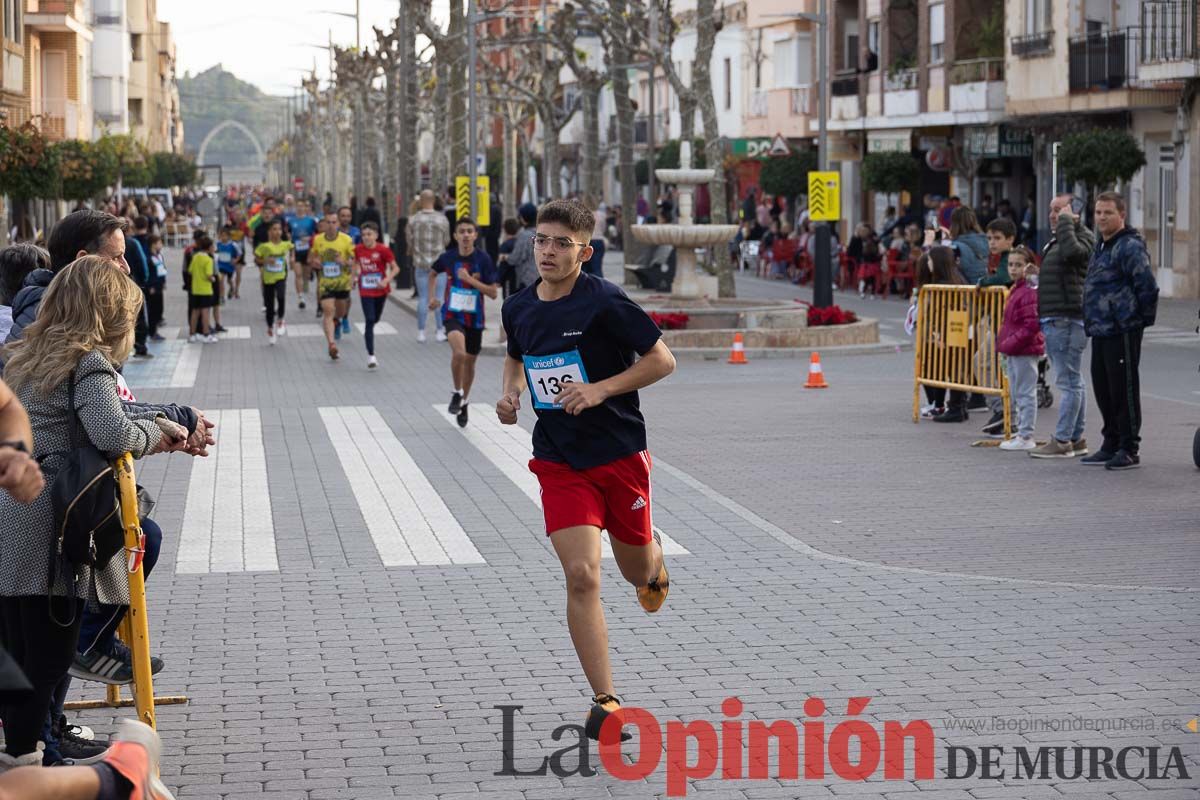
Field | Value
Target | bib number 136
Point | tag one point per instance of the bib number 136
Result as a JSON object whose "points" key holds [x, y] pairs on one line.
{"points": [[549, 375]]}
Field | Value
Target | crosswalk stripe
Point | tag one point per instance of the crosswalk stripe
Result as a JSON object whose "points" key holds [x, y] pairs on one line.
{"points": [[227, 523], [381, 328], [508, 448], [174, 366], [308, 330], [407, 519]]}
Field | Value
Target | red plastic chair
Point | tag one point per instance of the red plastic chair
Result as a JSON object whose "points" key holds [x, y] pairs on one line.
{"points": [[847, 270], [903, 271]]}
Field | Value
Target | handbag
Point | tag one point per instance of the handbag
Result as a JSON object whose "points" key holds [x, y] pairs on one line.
{"points": [[86, 501]]}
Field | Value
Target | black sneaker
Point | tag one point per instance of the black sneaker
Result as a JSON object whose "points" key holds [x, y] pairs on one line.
{"points": [[994, 428], [143, 353], [1124, 460], [462, 415], [301, 304], [952, 415], [74, 749], [456, 403], [114, 667], [1100, 458], [976, 401]]}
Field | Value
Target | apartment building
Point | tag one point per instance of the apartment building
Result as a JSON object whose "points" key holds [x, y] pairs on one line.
{"points": [[57, 60], [110, 67], [14, 99], [153, 94]]}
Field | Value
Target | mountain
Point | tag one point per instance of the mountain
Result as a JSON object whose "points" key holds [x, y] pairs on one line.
{"points": [[215, 95]]}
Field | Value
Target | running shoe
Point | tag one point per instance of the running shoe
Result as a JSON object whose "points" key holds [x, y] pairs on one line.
{"points": [[654, 594], [462, 416], [281, 328], [220, 329], [441, 335], [211, 339], [456, 403], [1025, 443], [371, 362], [74, 749], [345, 324], [597, 715], [301, 304], [421, 337], [134, 754], [333, 351], [194, 339], [113, 666], [337, 330], [271, 336]]}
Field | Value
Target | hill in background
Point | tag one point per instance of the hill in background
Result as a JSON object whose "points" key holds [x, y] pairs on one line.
{"points": [[215, 95]]}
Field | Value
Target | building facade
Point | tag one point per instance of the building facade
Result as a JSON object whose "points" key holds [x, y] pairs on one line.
{"points": [[57, 49], [153, 95]]}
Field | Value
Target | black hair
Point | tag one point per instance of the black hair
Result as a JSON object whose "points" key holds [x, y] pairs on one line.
{"points": [[204, 242], [511, 227], [196, 234], [1004, 227], [17, 261], [370, 202], [152, 238], [273, 223], [575, 216], [465, 221], [80, 230], [348, 208], [141, 222], [369, 226]]}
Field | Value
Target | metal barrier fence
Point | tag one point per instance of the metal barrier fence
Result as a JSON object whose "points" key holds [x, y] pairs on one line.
{"points": [[956, 342], [135, 627]]}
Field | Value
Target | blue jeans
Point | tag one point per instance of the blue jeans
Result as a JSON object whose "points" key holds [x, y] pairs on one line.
{"points": [[1065, 342], [423, 299], [1022, 385], [98, 628]]}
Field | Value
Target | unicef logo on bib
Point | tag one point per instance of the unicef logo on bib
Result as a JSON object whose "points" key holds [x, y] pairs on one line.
{"points": [[559, 361]]}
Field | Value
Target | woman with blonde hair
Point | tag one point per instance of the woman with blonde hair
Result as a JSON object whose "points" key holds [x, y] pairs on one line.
{"points": [[83, 331]]}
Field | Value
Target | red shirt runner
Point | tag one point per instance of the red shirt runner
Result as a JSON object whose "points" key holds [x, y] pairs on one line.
{"points": [[373, 262]]}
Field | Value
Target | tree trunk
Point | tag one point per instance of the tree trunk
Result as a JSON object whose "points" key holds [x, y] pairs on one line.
{"points": [[592, 176], [550, 142], [457, 91], [410, 166], [624, 111], [511, 168], [439, 166], [706, 35], [687, 117]]}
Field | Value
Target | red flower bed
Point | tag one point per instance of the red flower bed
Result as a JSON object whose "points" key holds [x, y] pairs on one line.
{"points": [[833, 315], [669, 321]]}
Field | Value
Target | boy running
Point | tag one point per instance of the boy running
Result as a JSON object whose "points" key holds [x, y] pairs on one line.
{"points": [[374, 269], [274, 257], [333, 253], [470, 274], [572, 340], [304, 226]]}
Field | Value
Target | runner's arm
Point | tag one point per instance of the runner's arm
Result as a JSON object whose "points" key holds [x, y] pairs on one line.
{"points": [[512, 387], [656, 364]]}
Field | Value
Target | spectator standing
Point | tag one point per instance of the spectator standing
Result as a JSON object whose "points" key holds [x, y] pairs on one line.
{"points": [[427, 233], [139, 270], [1021, 342], [1120, 300], [523, 259], [16, 263], [1060, 305], [970, 244], [937, 268]]}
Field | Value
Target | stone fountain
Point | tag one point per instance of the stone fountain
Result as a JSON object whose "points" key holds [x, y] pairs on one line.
{"points": [[686, 236]]}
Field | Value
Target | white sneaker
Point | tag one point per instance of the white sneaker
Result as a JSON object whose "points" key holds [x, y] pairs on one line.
{"points": [[211, 339], [372, 363], [33, 759], [270, 337], [194, 338], [441, 335], [1019, 443], [421, 337], [281, 328]]}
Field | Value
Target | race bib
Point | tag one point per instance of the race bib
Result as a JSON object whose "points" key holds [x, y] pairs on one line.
{"points": [[224, 256], [549, 375], [370, 280], [463, 300], [275, 264], [331, 269], [160, 267]]}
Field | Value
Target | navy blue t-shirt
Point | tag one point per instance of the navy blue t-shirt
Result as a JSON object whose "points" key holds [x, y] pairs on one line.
{"points": [[599, 322], [467, 308]]}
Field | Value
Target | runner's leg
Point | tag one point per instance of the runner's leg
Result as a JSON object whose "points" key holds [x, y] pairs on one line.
{"points": [[467, 374], [268, 298], [281, 297], [458, 348], [370, 309], [342, 307], [328, 309], [639, 564], [578, 550]]}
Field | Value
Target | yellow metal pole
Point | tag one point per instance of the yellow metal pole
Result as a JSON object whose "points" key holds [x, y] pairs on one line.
{"points": [[918, 370], [135, 619]]}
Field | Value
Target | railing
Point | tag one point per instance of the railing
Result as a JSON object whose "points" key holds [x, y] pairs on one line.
{"points": [[1168, 31], [798, 100], [1033, 45], [758, 103], [845, 83], [900, 80], [977, 70], [60, 117], [1103, 61]]}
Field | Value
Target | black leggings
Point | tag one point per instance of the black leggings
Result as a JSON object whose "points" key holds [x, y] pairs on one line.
{"points": [[372, 312], [274, 295], [44, 650]]}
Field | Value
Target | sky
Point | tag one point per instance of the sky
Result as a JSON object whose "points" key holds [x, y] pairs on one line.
{"points": [[271, 45]]}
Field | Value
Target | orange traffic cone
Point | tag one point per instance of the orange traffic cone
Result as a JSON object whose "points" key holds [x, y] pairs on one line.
{"points": [[738, 354], [816, 378]]}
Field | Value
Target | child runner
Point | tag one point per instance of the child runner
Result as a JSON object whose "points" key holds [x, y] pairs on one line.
{"points": [[203, 290], [228, 255], [583, 349], [239, 234], [1022, 343], [333, 252], [274, 257], [304, 227], [470, 274], [374, 268]]}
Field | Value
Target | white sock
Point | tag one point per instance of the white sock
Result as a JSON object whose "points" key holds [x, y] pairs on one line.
{"points": [[458, 391]]}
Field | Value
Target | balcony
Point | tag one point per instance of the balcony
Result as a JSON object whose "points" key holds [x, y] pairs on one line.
{"points": [[1104, 62], [900, 95], [798, 100], [59, 117], [844, 84], [59, 16], [1168, 41], [977, 85], [759, 104], [845, 103], [1033, 45]]}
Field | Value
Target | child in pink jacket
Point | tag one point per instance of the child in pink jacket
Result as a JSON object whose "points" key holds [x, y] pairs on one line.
{"points": [[1022, 343]]}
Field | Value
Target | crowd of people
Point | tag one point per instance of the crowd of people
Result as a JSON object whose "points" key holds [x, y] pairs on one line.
{"points": [[1080, 287]]}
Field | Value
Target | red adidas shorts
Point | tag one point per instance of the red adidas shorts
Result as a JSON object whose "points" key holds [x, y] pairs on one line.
{"points": [[613, 496]]}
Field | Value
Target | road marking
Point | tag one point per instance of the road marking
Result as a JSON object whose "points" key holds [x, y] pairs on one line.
{"points": [[309, 330], [174, 366], [227, 522], [508, 448], [405, 516], [235, 332], [381, 328]]}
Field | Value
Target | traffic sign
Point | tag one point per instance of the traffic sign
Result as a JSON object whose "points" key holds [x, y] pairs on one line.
{"points": [[298, 184], [824, 196], [483, 200], [779, 147]]}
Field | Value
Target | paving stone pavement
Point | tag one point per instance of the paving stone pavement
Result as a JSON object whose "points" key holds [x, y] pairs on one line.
{"points": [[836, 550]]}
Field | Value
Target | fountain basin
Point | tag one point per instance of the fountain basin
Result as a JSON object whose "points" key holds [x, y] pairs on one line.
{"points": [[685, 235], [687, 177]]}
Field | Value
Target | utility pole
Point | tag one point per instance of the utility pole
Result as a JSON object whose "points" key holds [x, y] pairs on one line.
{"points": [[823, 268], [548, 181], [472, 122]]}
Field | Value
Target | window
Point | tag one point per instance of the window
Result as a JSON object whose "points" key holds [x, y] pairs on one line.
{"points": [[135, 111], [850, 45], [728, 84], [14, 22], [1037, 16], [937, 33], [135, 45], [793, 62], [758, 73], [873, 36]]}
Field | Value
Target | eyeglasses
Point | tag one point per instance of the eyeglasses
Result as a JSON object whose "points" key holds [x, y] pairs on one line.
{"points": [[541, 242]]}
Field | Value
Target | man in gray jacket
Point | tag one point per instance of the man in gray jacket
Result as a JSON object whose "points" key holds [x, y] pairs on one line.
{"points": [[1060, 307]]}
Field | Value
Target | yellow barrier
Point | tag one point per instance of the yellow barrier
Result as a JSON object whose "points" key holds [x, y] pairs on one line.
{"points": [[956, 335], [135, 627]]}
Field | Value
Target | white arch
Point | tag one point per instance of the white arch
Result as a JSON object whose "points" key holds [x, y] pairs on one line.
{"points": [[262, 158]]}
